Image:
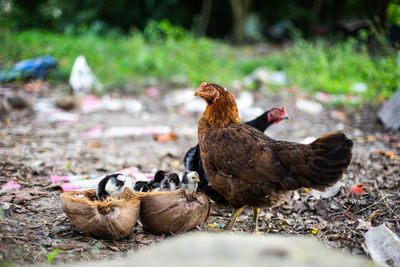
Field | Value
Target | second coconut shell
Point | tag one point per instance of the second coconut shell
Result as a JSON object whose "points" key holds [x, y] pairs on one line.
{"points": [[172, 212]]}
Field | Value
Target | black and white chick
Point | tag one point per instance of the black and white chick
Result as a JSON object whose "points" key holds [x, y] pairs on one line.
{"points": [[111, 185], [171, 182], [190, 181], [146, 186]]}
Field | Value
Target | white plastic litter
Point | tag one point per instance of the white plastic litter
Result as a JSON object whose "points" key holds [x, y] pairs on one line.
{"points": [[307, 140], [308, 106], [133, 106], [250, 113], [278, 78], [244, 100], [82, 79], [195, 105], [383, 246], [63, 117], [121, 131], [330, 192], [358, 87]]}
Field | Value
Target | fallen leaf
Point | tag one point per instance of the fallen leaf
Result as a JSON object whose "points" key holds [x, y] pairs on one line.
{"points": [[22, 196], [373, 215]]}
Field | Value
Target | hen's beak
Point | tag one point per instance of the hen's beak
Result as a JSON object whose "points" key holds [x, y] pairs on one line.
{"points": [[197, 93], [286, 117]]}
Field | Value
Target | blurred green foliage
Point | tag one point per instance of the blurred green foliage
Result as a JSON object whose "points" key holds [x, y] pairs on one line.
{"points": [[164, 52]]}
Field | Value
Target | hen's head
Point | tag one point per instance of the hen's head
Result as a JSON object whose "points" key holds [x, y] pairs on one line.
{"points": [[210, 92], [275, 115]]}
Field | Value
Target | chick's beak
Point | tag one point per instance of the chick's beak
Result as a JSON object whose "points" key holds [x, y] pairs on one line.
{"points": [[197, 179]]}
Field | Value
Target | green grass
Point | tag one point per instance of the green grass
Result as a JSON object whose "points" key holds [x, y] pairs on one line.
{"points": [[163, 52]]}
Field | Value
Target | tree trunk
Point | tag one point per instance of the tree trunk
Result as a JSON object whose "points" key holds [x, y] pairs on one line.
{"points": [[381, 10], [240, 9], [205, 17]]}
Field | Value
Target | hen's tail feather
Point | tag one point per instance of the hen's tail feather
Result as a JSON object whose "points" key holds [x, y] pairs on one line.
{"points": [[333, 152], [329, 156]]}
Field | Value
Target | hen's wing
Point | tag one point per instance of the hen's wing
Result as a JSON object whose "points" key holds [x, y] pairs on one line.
{"points": [[243, 152]]}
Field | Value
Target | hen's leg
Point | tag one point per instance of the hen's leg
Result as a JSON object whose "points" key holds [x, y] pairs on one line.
{"points": [[255, 219], [229, 224]]}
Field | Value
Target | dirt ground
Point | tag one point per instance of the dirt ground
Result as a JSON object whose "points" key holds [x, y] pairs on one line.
{"points": [[34, 228]]}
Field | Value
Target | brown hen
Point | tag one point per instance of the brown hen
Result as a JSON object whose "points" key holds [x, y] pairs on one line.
{"points": [[250, 169]]}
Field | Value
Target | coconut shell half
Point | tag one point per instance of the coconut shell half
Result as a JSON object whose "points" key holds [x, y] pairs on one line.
{"points": [[172, 212], [110, 219]]}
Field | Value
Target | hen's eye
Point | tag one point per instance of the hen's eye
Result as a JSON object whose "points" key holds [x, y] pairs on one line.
{"points": [[210, 90]]}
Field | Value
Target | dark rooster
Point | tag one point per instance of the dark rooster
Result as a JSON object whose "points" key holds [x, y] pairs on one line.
{"points": [[192, 160], [249, 168]]}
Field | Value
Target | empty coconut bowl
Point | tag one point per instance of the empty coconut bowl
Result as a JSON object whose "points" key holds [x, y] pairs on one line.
{"points": [[172, 212], [110, 219]]}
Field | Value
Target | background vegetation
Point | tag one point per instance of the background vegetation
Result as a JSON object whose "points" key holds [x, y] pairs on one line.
{"points": [[134, 44]]}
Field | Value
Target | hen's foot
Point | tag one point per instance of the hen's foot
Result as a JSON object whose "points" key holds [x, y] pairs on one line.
{"points": [[229, 224], [255, 219]]}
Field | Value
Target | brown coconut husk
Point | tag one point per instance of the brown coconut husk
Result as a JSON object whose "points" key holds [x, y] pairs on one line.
{"points": [[110, 219], [172, 212]]}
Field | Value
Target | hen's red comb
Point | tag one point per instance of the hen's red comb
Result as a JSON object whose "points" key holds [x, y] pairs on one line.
{"points": [[283, 109], [203, 84]]}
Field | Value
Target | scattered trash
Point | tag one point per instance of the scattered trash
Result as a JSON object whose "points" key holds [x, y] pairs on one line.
{"points": [[389, 113], [357, 189], [278, 78], [330, 192], [122, 131], [10, 185], [96, 132], [358, 87], [195, 105], [263, 75], [307, 140], [152, 92], [330, 98], [164, 138], [258, 75], [133, 106], [91, 103], [112, 104], [249, 113], [389, 154], [244, 100], [60, 116], [308, 106], [36, 68], [179, 97], [82, 79], [383, 246]]}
